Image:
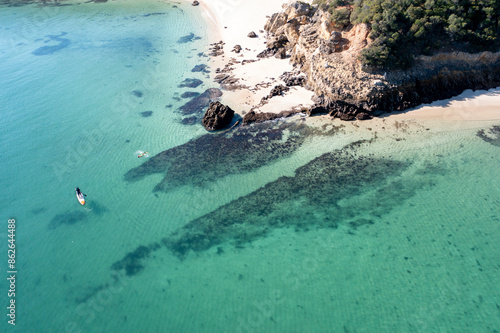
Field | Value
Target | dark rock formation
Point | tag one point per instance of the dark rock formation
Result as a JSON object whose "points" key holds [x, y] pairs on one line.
{"points": [[293, 79], [281, 53], [276, 46], [363, 116], [227, 81], [188, 38], [343, 110], [146, 114], [190, 94], [266, 53], [317, 109], [259, 117], [252, 35], [217, 116], [276, 91], [197, 104], [195, 3], [237, 49], [336, 109], [216, 49], [189, 120], [189, 83], [225, 78], [277, 42], [137, 93], [200, 68], [344, 116]]}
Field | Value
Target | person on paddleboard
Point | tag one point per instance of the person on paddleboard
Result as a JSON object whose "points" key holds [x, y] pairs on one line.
{"points": [[80, 196]]}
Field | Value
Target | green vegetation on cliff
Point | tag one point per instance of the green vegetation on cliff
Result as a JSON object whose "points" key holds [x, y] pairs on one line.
{"points": [[405, 28]]}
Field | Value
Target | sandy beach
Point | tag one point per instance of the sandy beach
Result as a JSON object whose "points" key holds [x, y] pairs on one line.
{"points": [[231, 21]]}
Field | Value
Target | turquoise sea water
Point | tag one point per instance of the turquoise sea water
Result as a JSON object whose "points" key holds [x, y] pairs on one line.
{"points": [[290, 226]]}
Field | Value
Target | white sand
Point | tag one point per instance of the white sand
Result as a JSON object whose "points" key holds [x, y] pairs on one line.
{"points": [[232, 20], [468, 106]]}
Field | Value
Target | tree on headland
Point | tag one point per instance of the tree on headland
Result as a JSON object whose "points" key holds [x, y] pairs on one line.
{"points": [[402, 29]]}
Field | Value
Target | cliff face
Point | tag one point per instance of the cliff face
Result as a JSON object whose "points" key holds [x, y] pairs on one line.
{"points": [[328, 55]]}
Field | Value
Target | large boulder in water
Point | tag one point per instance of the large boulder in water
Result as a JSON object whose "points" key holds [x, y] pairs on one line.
{"points": [[217, 116]]}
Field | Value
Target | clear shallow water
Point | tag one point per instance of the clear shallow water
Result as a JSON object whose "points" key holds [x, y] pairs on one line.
{"points": [[399, 235]]}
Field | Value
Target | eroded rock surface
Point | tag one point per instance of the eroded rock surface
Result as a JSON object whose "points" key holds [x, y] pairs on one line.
{"points": [[328, 54], [217, 116]]}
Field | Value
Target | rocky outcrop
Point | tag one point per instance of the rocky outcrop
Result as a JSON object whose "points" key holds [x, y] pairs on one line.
{"points": [[293, 79], [328, 55], [276, 91], [237, 49], [275, 46], [198, 103], [259, 117], [217, 116], [216, 49]]}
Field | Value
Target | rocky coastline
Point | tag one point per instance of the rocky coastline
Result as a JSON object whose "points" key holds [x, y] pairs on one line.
{"points": [[325, 57]]}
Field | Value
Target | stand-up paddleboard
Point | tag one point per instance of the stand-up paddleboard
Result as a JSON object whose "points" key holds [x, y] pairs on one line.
{"points": [[80, 196]]}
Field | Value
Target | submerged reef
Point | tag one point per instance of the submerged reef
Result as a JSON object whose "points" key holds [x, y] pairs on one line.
{"points": [[19, 3], [131, 263], [67, 218], [339, 188], [200, 102], [146, 114], [49, 49], [490, 135], [317, 195], [212, 156], [188, 38], [75, 216], [190, 83], [190, 94]]}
